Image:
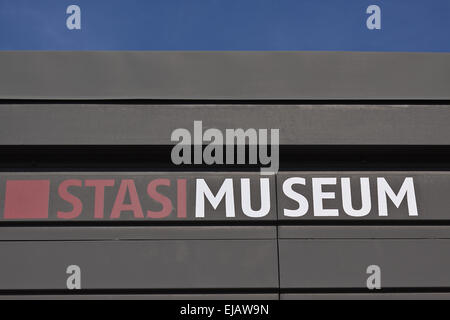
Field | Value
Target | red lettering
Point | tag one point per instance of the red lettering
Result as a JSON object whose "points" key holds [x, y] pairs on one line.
{"points": [[154, 194], [75, 201], [99, 197], [181, 198], [135, 205]]}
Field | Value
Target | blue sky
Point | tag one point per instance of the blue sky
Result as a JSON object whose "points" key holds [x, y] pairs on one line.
{"points": [[280, 25]]}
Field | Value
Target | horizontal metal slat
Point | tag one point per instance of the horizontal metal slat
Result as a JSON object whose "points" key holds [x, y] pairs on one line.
{"points": [[366, 296], [77, 233], [156, 264], [334, 264], [223, 75], [152, 124]]}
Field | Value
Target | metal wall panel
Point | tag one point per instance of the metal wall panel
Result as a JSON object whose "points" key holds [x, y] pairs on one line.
{"points": [[223, 75], [243, 296], [364, 232], [159, 264], [336, 263], [219, 256], [367, 296], [152, 124], [102, 232]]}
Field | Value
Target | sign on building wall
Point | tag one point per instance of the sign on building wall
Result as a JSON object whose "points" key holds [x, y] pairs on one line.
{"points": [[224, 196]]}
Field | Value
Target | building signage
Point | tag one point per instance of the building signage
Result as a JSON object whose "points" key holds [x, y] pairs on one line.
{"points": [[224, 196], [136, 196]]}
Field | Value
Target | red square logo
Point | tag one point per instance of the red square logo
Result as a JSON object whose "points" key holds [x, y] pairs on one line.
{"points": [[27, 199]]}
